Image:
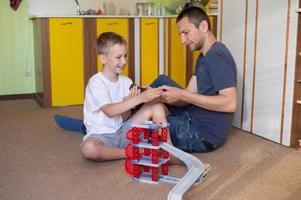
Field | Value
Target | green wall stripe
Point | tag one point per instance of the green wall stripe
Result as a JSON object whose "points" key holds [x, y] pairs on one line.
{"points": [[16, 50]]}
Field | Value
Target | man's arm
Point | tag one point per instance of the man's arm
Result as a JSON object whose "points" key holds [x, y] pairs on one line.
{"points": [[225, 101]]}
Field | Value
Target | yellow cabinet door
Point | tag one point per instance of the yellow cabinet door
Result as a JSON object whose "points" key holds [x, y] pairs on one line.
{"points": [[177, 55], [66, 61], [149, 50], [117, 25]]}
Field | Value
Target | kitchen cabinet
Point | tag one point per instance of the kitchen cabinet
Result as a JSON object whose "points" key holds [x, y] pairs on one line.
{"points": [[66, 60], [176, 51], [59, 61], [149, 50]]}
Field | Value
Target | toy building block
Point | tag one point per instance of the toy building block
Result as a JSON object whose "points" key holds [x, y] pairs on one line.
{"points": [[147, 138], [155, 137], [164, 134], [148, 152], [165, 169]]}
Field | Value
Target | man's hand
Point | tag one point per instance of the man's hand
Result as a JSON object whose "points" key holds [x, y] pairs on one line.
{"points": [[171, 95]]}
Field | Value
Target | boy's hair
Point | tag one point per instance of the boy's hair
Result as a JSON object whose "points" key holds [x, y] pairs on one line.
{"points": [[107, 40], [195, 15]]}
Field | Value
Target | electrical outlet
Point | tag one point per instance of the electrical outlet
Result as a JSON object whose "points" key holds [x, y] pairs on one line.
{"points": [[28, 72]]}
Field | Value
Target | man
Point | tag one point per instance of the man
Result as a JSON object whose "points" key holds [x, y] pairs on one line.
{"points": [[202, 114]]}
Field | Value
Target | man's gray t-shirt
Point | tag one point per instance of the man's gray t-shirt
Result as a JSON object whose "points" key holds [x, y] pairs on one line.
{"points": [[214, 71]]}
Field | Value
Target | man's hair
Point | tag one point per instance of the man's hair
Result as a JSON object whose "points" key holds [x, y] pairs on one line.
{"points": [[195, 15], [107, 40]]}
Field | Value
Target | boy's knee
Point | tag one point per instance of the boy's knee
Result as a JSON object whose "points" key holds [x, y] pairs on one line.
{"points": [[158, 111], [89, 150], [158, 107], [154, 107]]}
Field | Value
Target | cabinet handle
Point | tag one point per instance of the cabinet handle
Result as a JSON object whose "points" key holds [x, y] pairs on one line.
{"points": [[149, 23], [113, 23], [66, 23]]}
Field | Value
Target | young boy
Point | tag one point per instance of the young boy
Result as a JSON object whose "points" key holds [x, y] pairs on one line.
{"points": [[108, 103]]}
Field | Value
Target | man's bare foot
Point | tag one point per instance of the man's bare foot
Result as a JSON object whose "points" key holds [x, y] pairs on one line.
{"points": [[207, 168]]}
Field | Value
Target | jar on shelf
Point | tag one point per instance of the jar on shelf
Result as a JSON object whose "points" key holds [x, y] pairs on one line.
{"points": [[149, 9], [140, 9]]}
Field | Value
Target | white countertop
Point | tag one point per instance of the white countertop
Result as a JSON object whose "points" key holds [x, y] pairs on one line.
{"points": [[105, 16]]}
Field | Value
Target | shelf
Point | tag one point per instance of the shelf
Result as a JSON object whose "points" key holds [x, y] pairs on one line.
{"points": [[299, 102], [298, 10], [299, 53], [110, 16], [298, 81]]}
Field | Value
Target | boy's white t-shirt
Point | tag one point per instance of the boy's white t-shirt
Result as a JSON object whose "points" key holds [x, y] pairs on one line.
{"points": [[101, 91]]}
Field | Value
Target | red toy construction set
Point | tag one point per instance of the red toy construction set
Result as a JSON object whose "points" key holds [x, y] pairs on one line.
{"points": [[148, 156]]}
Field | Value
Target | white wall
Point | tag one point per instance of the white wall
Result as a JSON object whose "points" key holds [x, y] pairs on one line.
{"points": [[233, 38], [68, 7], [268, 81], [56, 7]]}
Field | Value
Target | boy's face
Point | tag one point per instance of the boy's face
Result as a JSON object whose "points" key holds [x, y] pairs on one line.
{"points": [[191, 36], [115, 59]]}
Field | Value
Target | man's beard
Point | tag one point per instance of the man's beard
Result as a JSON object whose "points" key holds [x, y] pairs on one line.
{"points": [[198, 46]]}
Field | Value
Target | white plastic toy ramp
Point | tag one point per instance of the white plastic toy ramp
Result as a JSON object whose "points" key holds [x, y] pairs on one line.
{"points": [[195, 167]]}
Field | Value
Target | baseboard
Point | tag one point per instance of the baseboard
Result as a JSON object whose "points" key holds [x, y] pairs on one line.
{"points": [[37, 97], [16, 96]]}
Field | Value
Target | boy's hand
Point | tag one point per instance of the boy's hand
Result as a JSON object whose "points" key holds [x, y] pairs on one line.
{"points": [[134, 91], [142, 89], [151, 94]]}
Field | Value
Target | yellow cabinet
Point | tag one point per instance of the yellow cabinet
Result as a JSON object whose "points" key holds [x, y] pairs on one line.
{"points": [[176, 54], [117, 25], [149, 52], [66, 61]]}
